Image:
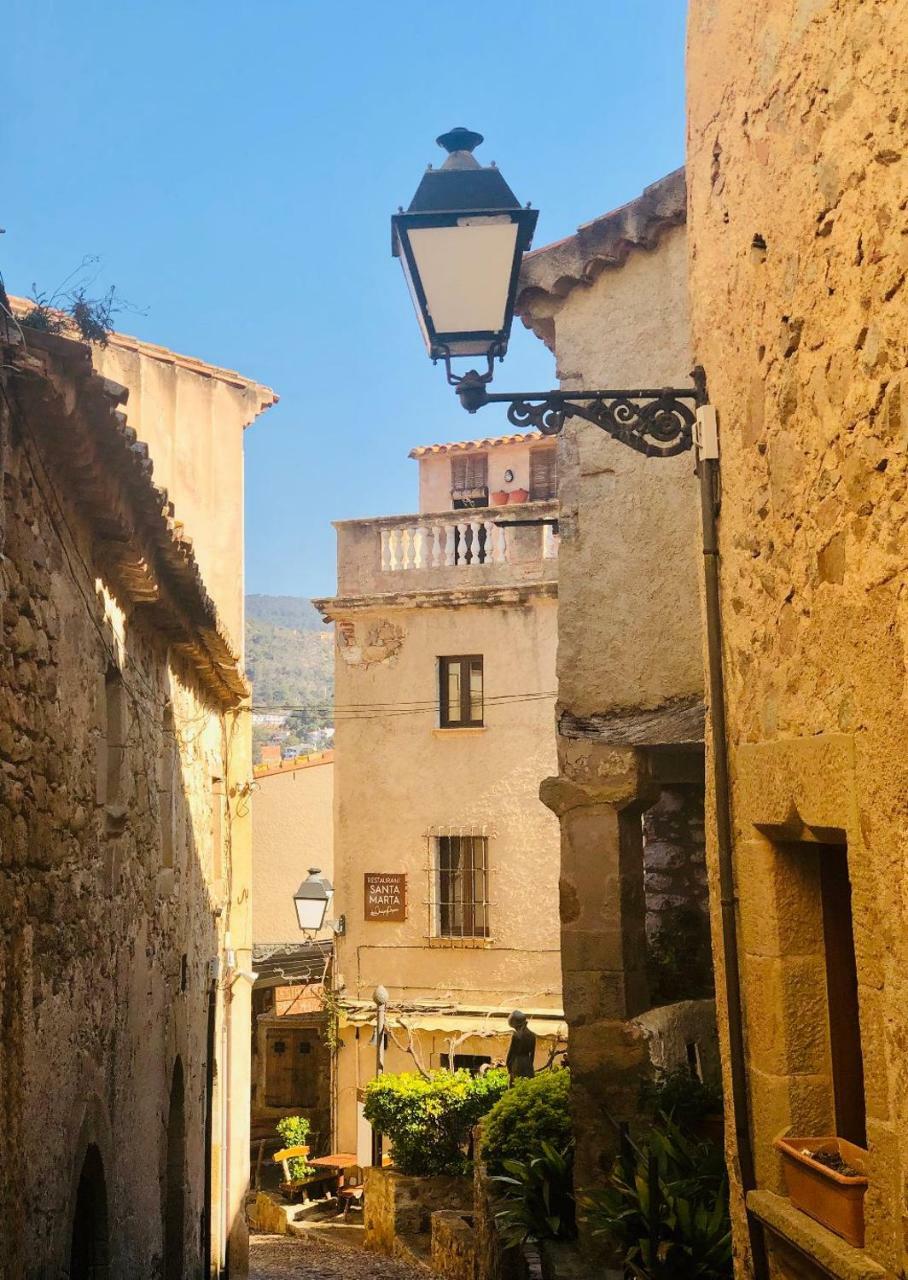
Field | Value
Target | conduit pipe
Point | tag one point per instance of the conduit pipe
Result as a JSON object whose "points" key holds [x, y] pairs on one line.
{"points": [[708, 472]]}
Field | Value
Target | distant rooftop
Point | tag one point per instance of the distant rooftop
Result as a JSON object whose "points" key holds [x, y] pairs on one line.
{"points": [[466, 446]]}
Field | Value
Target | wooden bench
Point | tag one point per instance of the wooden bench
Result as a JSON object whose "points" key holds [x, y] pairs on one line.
{"points": [[294, 1187]]}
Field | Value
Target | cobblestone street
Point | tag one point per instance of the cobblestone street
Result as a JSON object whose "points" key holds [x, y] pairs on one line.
{"points": [[282, 1257]]}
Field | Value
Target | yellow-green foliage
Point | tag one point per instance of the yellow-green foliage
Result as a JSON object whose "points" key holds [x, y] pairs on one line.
{"points": [[429, 1119], [531, 1113]]}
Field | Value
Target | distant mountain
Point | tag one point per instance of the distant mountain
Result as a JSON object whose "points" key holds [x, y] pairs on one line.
{"points": [[295, 612], [290, 656]]}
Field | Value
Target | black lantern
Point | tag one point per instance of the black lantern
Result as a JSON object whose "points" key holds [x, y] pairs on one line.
{"points": [[460, 244], [311, 900]]}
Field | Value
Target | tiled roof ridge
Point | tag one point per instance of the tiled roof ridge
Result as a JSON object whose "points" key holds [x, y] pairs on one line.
{"points": [[555, 269], [486, 442], [310, 761], [127, 342], [109, 473]]}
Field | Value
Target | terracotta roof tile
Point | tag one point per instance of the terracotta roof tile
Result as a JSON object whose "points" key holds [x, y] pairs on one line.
{"points": [[464, 446]]}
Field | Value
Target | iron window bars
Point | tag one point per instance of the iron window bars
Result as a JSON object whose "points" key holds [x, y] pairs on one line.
{"points": [[458, 876]]}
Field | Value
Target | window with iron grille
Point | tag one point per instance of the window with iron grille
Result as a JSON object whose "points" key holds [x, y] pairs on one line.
{"points": [[469, 472], [460, 692], [543, 474], [461, 877]]}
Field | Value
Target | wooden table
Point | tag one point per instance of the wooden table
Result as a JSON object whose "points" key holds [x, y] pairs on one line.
{"points": [[338, 1160]]}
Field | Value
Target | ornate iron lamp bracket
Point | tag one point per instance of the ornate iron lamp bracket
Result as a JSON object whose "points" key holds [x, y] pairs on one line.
{"points": [[658, 423]]}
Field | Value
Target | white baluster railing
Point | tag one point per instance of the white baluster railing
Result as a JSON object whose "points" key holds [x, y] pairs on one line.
{"points": [[470, 540]]}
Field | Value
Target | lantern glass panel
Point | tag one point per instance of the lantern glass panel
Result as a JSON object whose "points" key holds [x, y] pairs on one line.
{"points": [[465, 271]]}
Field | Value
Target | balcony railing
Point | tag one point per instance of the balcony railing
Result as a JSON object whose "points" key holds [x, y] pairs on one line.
{"points": [[446, 543], [444, 550]]}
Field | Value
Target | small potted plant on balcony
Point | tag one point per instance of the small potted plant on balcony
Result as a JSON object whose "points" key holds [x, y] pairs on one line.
{"points": [[826, 1178], [518, 495]]}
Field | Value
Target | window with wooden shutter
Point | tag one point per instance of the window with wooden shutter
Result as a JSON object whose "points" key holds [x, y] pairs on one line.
{"points": [[543, 474], [291, 1067], [469, 472]]}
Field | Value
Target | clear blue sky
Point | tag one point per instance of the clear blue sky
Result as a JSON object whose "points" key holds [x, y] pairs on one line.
{"points": [[235, 165]]}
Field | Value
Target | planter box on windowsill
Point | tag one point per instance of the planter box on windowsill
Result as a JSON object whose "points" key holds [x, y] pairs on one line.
{"points": [[833, 1199]]}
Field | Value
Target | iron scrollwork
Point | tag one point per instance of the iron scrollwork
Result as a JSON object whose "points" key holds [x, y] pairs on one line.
{"points": [[657, 426]]}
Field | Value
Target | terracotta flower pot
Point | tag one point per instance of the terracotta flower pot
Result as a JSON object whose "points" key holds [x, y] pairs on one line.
{"points": [[499, 498], [834, 1199], [518, 495]]}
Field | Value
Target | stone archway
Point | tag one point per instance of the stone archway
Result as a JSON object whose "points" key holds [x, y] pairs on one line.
{"points": [[175, 1180], [89, 1247]]}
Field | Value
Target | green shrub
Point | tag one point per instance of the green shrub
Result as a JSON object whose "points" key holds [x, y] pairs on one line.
{"points": [[681, 1096], [531, 1113], [429, 1119], [666, 1208], [294, 1130], [536, 1197]]}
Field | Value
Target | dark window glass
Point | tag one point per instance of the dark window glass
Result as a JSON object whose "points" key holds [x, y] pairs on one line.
{"points": [[460, 691]]}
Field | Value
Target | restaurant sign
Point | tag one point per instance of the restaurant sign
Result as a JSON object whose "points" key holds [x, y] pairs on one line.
{"points": [[385, 896]]}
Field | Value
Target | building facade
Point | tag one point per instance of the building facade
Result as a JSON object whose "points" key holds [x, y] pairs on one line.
{"points": [[798, 192], [446, 864], [124, 943], [292, 831], [611, 302]]}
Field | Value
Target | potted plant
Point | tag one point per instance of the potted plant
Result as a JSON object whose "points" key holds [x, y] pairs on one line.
{"points": [[518, 495], [500, 498], [826, 1178]]}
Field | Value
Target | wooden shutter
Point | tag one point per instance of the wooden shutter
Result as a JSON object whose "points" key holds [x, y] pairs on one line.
{"points": [[469, 471], [543, 474]]}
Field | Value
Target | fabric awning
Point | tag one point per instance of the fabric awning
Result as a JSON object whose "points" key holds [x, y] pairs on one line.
{"points": [[481, 1025]]}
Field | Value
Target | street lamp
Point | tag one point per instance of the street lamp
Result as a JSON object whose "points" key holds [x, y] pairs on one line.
{"points": [[461, 243], [311, 900]]}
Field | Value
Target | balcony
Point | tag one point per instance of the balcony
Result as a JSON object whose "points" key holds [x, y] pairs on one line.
{"points": [[447, 550]]}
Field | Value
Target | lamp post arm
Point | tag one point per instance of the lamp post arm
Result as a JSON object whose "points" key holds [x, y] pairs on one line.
{"points": [[657, 422]]}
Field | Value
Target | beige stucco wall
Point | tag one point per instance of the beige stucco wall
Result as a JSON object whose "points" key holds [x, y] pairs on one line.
{"points": [[192, 417], [292, 830], [629, 626], [797, 135], [398, 776]]}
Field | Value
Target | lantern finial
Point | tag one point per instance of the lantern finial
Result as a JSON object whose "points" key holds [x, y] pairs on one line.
{"points": [[459, 139]]}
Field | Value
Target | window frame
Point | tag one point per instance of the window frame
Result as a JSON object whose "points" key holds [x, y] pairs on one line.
{"points": [[474, 909], [465, 720]]}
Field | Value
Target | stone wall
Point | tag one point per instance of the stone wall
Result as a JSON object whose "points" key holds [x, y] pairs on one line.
{"points": [[611, 302], [116, 759], [453, 1245], [798, 185], [400, 1206]]}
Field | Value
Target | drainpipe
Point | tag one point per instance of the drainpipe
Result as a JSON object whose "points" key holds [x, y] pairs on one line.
{"points": [[210, 1045], [708, 473]]}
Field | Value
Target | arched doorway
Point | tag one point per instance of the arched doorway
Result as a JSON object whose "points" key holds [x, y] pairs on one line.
{"points": [[88, 1258], [175, 1179]]}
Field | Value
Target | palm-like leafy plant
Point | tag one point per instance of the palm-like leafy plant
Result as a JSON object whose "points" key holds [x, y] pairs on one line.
{"points": [[666, 1208], [537, 1200]]}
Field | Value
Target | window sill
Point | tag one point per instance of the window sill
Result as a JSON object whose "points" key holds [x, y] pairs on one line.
{"points": [[461, 944], [839, 1259], [459, 730]]}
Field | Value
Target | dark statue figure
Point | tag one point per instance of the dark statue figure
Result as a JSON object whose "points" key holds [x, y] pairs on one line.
{"points": [[522, 1050]]}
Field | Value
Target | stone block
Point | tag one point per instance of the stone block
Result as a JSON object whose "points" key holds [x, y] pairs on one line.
{"points": [[786, 1014], [453, 1245]]}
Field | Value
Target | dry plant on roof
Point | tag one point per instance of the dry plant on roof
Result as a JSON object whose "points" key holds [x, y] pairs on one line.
{"points": [[70, 307]]}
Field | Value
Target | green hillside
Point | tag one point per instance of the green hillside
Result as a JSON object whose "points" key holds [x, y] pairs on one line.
{"points": [[289, 655]]}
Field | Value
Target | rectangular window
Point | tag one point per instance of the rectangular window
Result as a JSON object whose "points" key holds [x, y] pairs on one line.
{"points": [[842, 996], [543, 474], [463, 886], [466, 1062], [460, 692], [469, 474]]}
